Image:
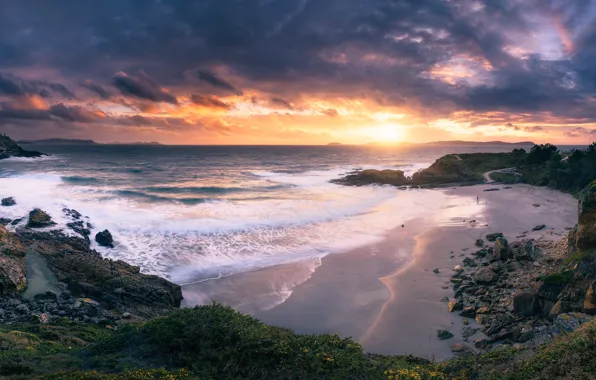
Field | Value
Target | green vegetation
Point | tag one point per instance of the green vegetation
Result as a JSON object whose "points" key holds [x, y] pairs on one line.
{"points": [[216, 342], [560, 278], [545, 166]]}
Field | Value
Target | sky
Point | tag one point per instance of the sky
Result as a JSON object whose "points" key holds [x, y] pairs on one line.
{"points": [[299, 71]]}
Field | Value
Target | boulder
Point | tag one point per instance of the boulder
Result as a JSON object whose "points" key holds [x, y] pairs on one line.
{"points": [[479, 243], [13, 267], [586, 227], [501, 250], [484, 276], [455, 306], [8, 201], [105, 239], [5, 221], [39, 219], [524, 251], [492, 237], [525, 304], [539, 227], [444, 334], [590, 301], [458, 268]]}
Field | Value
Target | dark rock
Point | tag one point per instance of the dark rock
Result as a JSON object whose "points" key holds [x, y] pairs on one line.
{"points": [[5, 221], [468, 312], [590, 300], [8, 201], [8, 148], [74, 214], [524, 251], [13, 267], [536, 205], [16, 221], [468, 332], [23, 309], [39, 219], [373, 176], [492, 237], [455, 305], [444, 334], [539, 227], [104, 238], [492, 189], [484, 276], [79, 227], [482, 343], [461, 349], [469, 262], [525, 304], [436, 270], [501, 250], [479, 243]]}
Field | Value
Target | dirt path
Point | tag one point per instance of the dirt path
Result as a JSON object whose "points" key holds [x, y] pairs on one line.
{"points": [[487, 178]]}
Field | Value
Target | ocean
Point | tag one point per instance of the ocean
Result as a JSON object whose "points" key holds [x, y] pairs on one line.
{"points": [[197, 213]]}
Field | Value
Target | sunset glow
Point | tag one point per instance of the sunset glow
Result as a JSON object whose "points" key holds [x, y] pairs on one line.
{"points": [[287, 73]]}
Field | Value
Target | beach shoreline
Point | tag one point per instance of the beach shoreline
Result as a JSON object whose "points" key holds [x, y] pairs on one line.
{"points": [[386, 295]]}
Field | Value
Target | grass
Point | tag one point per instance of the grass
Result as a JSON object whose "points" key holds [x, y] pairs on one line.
{"points": [[216, 342], [561, 278]]}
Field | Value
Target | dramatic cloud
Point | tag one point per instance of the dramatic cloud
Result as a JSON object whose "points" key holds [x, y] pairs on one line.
{"points": [[216, 82], [142, 86], [209, 102], [466, 69]]}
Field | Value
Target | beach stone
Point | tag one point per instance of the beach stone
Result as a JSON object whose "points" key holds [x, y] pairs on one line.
{"points": [[482, 343], [455, 305], [23, 309], [458, 268], [525, 304], [492, 237], [39, 219], [468, 332], [484, 276], [461, 349], [5, 221], [501, 249], [468, 312], [8, 201], [126, 315], [444, 334], [469, 262], [479, 243], [436, 270], [105, 239], [539, 227]]}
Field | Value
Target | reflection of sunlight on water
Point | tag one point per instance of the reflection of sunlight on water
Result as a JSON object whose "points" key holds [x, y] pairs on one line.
{"points": [[460, 210]]}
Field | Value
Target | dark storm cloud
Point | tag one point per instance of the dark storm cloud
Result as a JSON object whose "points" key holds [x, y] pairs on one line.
{"points": [[97, 89], [142, 86], [59, 111], [209, 102], [384, 50], [13, 85], [281, 103], [215, 81]]}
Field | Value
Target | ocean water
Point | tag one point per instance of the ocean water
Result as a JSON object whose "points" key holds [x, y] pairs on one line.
{"points": [[195, 213]]}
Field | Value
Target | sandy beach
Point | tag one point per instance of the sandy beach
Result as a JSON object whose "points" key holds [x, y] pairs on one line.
{"points": [[386, 295]]}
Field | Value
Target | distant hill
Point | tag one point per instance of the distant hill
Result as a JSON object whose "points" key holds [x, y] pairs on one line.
{"points": [[461, 142], [59, 142], [135, 143], [335, 144]]}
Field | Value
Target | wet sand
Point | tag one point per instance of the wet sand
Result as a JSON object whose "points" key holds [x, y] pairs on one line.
{"points": [[386, 295]]}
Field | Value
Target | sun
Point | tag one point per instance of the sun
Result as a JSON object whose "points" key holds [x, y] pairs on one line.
{"points": [[386, 133]]}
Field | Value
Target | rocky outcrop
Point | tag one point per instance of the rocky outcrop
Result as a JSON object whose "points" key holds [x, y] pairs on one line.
{"points": [[8, 148], [373, 176], [8, 201], [116, 285], [13, 267], [585, 236], [39, 219], [501, 250], [105, 239], [590, 300]]}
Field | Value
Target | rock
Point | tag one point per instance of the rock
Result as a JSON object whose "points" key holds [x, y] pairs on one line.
{"points": [[444, 334], [469, 262], [525, 304], [104, 238], [590, 300], [5, 221], [13, 267], [492, 237], [482, 343], [465, 322], [539, 227], [585, 236], [524, 251], [536, 205], [436, 270], [468, 312], [461, 349], [8, 201], [39, 219], [481, 318], [458, 268], [455, 306], [23, 309], [9, 148], [556, 310], [568, 323], [492, 189], [484, 276], [16, 221], [479, 243], [126, 315], [501, 249], [482, 310], [468, 332], [48, 295]]}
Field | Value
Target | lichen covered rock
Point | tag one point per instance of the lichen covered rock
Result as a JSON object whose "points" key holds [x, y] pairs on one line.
{"points": [[585, 236], [13, 267], [39, 219]]}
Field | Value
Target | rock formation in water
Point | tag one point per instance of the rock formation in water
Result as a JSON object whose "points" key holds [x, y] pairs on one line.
{"points": [[8, 148]]}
